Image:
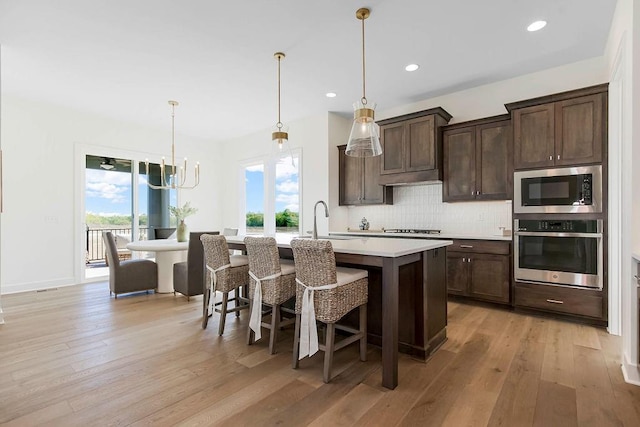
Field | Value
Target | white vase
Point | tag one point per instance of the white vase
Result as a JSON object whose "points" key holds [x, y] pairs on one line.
{"points": [[182, 233]]}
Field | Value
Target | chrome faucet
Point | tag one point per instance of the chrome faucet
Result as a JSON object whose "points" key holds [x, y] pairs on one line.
{"points": [[315, 222]]}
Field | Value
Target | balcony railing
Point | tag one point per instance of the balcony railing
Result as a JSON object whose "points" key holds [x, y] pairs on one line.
{"points": [[95, 244]]}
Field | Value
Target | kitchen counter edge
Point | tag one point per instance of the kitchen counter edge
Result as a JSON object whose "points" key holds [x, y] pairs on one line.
{"points": [[446, 236]]}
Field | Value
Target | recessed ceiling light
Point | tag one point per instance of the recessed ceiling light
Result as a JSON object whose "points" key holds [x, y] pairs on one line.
{"points": [[412, 67], [537, 25], [331, 94]]}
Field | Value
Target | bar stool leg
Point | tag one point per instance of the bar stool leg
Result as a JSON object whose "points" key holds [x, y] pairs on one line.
{"points": [[205, 307], [363, 331], [275, 325], [296, 342], [251, 336], [223, 312], [328, 351], [237, 293]]}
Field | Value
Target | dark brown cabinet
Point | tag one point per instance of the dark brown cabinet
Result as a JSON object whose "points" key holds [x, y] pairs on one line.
{"points": [[358, 181], [412, 147], [560, 130], [479, 269], [561, 299], [477, 160]]}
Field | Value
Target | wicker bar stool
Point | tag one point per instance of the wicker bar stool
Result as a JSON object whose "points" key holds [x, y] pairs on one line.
{"points": [[326, 293], [272, 282], [224, 274]]}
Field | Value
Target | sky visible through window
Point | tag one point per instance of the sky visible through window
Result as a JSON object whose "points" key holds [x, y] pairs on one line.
{"points": [[287, 196], [109, 192]]}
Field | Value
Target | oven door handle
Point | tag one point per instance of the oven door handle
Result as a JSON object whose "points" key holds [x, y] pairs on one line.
{"points": [[552, 234]]}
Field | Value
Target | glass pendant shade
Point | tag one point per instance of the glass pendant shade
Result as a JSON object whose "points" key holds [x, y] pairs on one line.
{"points": [[364, 140]]}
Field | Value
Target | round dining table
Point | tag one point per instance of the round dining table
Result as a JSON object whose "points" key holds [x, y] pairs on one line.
{"points": [[168, 252]]}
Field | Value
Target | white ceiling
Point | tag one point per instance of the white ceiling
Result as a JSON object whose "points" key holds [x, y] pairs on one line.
{"points": [[127, 58]]}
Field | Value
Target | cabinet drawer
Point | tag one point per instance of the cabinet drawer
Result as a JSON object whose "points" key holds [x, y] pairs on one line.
{"points": [[564, 300], [481, 246]]}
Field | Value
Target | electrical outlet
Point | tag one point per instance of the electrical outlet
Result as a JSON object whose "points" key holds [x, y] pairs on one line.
{"points": [[481, 216]]}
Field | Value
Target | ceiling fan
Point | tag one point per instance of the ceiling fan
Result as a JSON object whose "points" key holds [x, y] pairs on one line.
{"points": [[108, 163]]}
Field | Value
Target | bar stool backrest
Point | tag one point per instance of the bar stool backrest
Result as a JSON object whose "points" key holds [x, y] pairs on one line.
{"points": [[264, 259], [315, 261]]}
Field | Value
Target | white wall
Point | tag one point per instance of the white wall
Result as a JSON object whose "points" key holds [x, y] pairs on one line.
{"points": [[310, 135], [41, 247], [623, 62]]}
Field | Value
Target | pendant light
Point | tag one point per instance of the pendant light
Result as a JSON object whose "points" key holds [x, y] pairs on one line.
{"points": [[280, 136], [363, 140], [177, 178]]}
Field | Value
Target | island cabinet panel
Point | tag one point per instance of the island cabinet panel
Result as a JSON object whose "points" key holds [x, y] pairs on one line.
{"points": [[477, 160], [480, 269], [422, 309], [359, 181], [412, 147], [564, 129]]}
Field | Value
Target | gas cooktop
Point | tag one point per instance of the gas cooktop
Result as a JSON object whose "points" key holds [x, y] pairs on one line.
{"points": [[411, 230]]}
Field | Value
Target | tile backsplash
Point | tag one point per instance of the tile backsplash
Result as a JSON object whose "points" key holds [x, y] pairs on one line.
{"points": [[421, 206]]}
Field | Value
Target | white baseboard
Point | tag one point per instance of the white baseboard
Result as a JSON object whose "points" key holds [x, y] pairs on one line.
{"points": [[630, 371], [36, 286]]}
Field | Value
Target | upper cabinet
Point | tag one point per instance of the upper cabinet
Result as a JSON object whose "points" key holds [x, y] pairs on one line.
{"points": [[477, 160], [560, 130], [412, 147], [358, 181]]}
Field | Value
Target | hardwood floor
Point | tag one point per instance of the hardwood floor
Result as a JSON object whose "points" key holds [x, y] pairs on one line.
{"points": [[77, 357]]}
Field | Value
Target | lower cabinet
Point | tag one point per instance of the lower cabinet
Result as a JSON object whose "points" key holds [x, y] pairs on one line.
{"points": [[480, 269], [561, 299]]}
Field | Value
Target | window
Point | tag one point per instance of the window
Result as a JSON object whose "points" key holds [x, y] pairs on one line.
{"points": [[271, 200]]}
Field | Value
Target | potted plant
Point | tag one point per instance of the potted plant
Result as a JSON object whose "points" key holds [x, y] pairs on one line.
{"points": [[180, 214]]}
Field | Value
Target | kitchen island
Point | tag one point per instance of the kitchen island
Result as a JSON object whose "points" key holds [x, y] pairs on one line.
{"points": [[407, 309]]}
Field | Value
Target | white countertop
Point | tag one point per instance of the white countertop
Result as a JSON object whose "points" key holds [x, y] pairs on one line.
{"points": [[442, 235], [158, 245], [369, 245], [636, 255]]}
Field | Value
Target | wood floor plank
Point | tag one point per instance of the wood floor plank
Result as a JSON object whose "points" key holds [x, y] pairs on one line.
{"points": [[76, 356], [414, 377], [594, 394], [558, 363], [555, 406], [439, 398], [350, 408], [516, 403]]}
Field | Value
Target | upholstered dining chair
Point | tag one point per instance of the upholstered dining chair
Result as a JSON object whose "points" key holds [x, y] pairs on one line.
{"points": [[189, 275], [128, 276], [272, 282], [326, 293], [163, 232], [224, 274]]}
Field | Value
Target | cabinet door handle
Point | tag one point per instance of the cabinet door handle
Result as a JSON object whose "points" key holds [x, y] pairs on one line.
{"points": [[558, 156], [473, 192], [478, 193], [555, 301], [466, 246], [550, 157]]}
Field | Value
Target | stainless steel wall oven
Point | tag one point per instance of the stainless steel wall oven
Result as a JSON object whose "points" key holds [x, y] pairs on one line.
{"points": [[559, 252]]}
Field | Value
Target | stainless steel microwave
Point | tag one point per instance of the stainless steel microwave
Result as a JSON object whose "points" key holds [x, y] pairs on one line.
{"points": [[561, 190]]}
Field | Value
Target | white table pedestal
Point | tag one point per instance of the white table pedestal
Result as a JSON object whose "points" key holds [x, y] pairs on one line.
{"points": [[167, 252], [165, 261]]}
